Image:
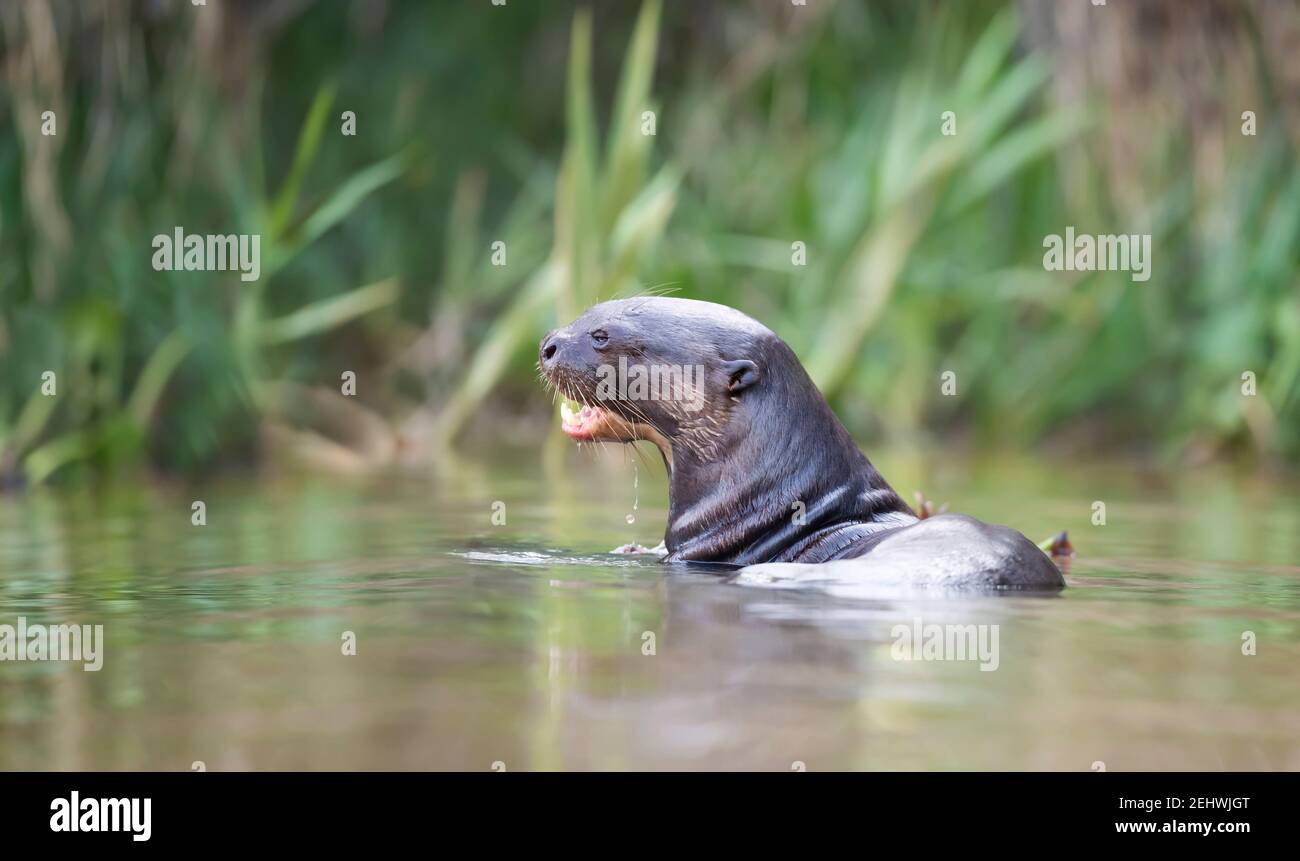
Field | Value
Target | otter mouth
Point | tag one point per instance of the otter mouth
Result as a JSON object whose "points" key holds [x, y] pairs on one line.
{"points": [[582, 421], [592, 424]]}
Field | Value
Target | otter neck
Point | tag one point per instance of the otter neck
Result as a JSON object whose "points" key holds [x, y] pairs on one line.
{"points": [[787, 483]]}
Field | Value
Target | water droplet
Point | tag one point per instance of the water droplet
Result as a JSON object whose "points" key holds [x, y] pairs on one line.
{"points": [[636, 493]]}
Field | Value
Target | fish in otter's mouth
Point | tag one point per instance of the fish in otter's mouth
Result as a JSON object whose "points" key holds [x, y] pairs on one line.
{"points": [[760, 469]]}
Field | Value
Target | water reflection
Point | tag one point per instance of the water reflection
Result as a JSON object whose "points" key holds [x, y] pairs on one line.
{"points": [[525, 644]]}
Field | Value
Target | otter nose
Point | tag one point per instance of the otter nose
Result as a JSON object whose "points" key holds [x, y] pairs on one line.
{"points": [[549, 346]]}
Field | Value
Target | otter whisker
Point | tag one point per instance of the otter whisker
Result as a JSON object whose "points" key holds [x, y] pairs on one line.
{"points": [[661, 289]]}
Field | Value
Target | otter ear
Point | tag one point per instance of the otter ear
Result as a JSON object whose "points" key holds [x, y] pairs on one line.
{"points": [[741, 374]]}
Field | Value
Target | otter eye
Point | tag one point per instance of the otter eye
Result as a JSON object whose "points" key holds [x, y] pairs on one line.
{"points": [[600, 337]]}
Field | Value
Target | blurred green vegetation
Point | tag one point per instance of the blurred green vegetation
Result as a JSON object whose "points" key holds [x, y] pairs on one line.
{"points": [[525, 125]]}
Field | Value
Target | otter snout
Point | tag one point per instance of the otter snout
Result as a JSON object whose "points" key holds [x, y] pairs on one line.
{"points": [[561, 352]]}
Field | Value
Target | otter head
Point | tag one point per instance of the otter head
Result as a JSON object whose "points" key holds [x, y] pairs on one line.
{"points": [[757, 461], [671, 371]]}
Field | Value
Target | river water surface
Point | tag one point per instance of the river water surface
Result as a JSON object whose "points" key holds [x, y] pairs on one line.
{"points": [[523, 646]]}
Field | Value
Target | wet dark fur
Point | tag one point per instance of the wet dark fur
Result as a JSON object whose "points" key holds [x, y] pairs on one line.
{"points": [[765, 440]]}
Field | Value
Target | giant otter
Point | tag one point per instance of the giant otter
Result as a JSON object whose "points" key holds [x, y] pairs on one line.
{"points": [[761, 472]]}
